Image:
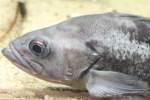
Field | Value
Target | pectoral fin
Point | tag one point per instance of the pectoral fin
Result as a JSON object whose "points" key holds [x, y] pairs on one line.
{"points": [[109, 83]]}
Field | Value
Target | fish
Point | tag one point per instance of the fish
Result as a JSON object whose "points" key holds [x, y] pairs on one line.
{"points": [[107, 54]]}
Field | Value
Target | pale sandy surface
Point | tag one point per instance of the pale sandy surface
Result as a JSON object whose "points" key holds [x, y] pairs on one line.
{"points": [[15, 83], [8, 12]]}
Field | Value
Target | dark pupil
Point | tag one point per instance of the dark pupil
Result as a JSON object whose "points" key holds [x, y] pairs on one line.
{"points": [[37, 48]]}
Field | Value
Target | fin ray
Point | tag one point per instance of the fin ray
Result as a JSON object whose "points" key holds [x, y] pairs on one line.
{"points": [[109, 83]]}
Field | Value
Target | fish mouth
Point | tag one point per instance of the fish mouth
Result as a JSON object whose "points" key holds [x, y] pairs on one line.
{"points": [[16, 58], [27, 65]]}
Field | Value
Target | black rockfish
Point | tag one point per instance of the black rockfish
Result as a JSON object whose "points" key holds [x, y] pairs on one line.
{"points": [[107, 54]]}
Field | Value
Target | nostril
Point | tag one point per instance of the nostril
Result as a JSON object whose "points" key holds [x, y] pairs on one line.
{"points": [[25, 53]]}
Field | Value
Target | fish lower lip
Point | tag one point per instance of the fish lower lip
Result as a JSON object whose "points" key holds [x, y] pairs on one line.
{"points": [[13, 55], [8, 53]]}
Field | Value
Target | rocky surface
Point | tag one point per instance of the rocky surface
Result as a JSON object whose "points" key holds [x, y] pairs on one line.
{"points": [[8, 14]]}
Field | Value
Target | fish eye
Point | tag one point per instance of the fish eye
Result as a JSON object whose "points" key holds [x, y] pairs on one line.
{"points": [[39, 48]]}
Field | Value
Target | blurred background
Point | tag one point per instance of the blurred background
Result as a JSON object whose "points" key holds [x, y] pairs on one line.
{"points": [[20, 17]]}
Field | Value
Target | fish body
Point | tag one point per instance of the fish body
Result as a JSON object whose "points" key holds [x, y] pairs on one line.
{"points": [[108, 54]]}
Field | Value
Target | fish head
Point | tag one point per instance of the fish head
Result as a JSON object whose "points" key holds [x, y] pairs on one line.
{"points": [[49, 54]]}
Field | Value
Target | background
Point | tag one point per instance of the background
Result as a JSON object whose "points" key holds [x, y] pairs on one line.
{"points": [[19, 18]]}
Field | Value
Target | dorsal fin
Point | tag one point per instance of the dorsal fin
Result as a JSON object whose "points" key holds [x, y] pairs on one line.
{"points": [[142, 29]]}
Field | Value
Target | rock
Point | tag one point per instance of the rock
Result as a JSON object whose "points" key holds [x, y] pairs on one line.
{"points": [[8, 14]]}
